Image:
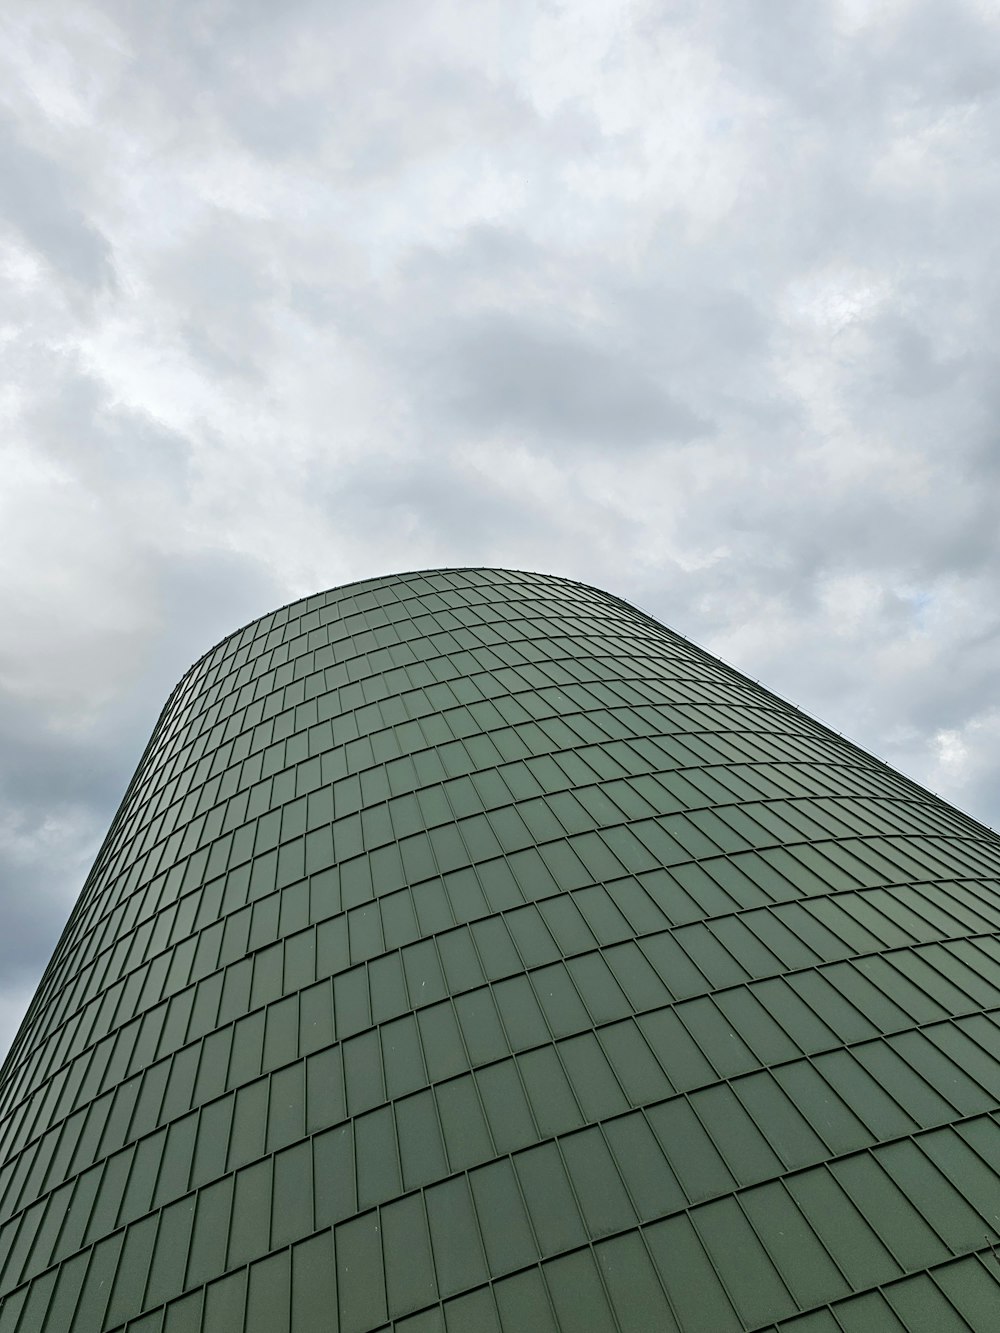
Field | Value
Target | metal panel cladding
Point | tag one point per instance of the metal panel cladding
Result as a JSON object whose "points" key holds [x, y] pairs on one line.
{"points": [[472, 952]]}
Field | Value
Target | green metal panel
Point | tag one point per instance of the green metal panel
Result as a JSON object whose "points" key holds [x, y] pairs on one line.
{"points": [[471, 952]]}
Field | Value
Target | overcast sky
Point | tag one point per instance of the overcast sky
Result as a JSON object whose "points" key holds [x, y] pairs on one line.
{"points": [[694, 300]]}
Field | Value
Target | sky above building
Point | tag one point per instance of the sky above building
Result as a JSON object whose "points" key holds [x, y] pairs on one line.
{"points": [[693, 301]]}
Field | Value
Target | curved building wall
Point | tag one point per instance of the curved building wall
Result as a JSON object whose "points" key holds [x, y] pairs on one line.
{"points": [[471, 952]]}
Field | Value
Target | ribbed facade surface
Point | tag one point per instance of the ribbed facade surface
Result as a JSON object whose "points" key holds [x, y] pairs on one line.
{"points": [[470, 952]]}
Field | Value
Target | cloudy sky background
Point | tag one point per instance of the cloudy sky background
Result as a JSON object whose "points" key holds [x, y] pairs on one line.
{"points": [[697, 301]]}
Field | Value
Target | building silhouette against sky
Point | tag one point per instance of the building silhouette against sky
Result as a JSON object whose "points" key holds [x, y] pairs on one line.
{"points": [[471, 952]]}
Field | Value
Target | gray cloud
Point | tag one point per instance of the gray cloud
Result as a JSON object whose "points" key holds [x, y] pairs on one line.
{"points": [[562, 386], [37, 200]]}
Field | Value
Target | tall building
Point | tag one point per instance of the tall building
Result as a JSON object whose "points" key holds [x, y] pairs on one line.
{"points": [[471, 952]]}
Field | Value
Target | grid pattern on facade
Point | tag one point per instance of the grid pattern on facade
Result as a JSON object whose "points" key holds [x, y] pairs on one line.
{"points": [[472, 952]]}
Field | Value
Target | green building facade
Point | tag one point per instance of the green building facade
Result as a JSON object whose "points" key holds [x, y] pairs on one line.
{"points": [[471, 952]]}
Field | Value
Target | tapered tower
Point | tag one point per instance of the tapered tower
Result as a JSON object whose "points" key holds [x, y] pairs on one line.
{"points": [[471, 952]]}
